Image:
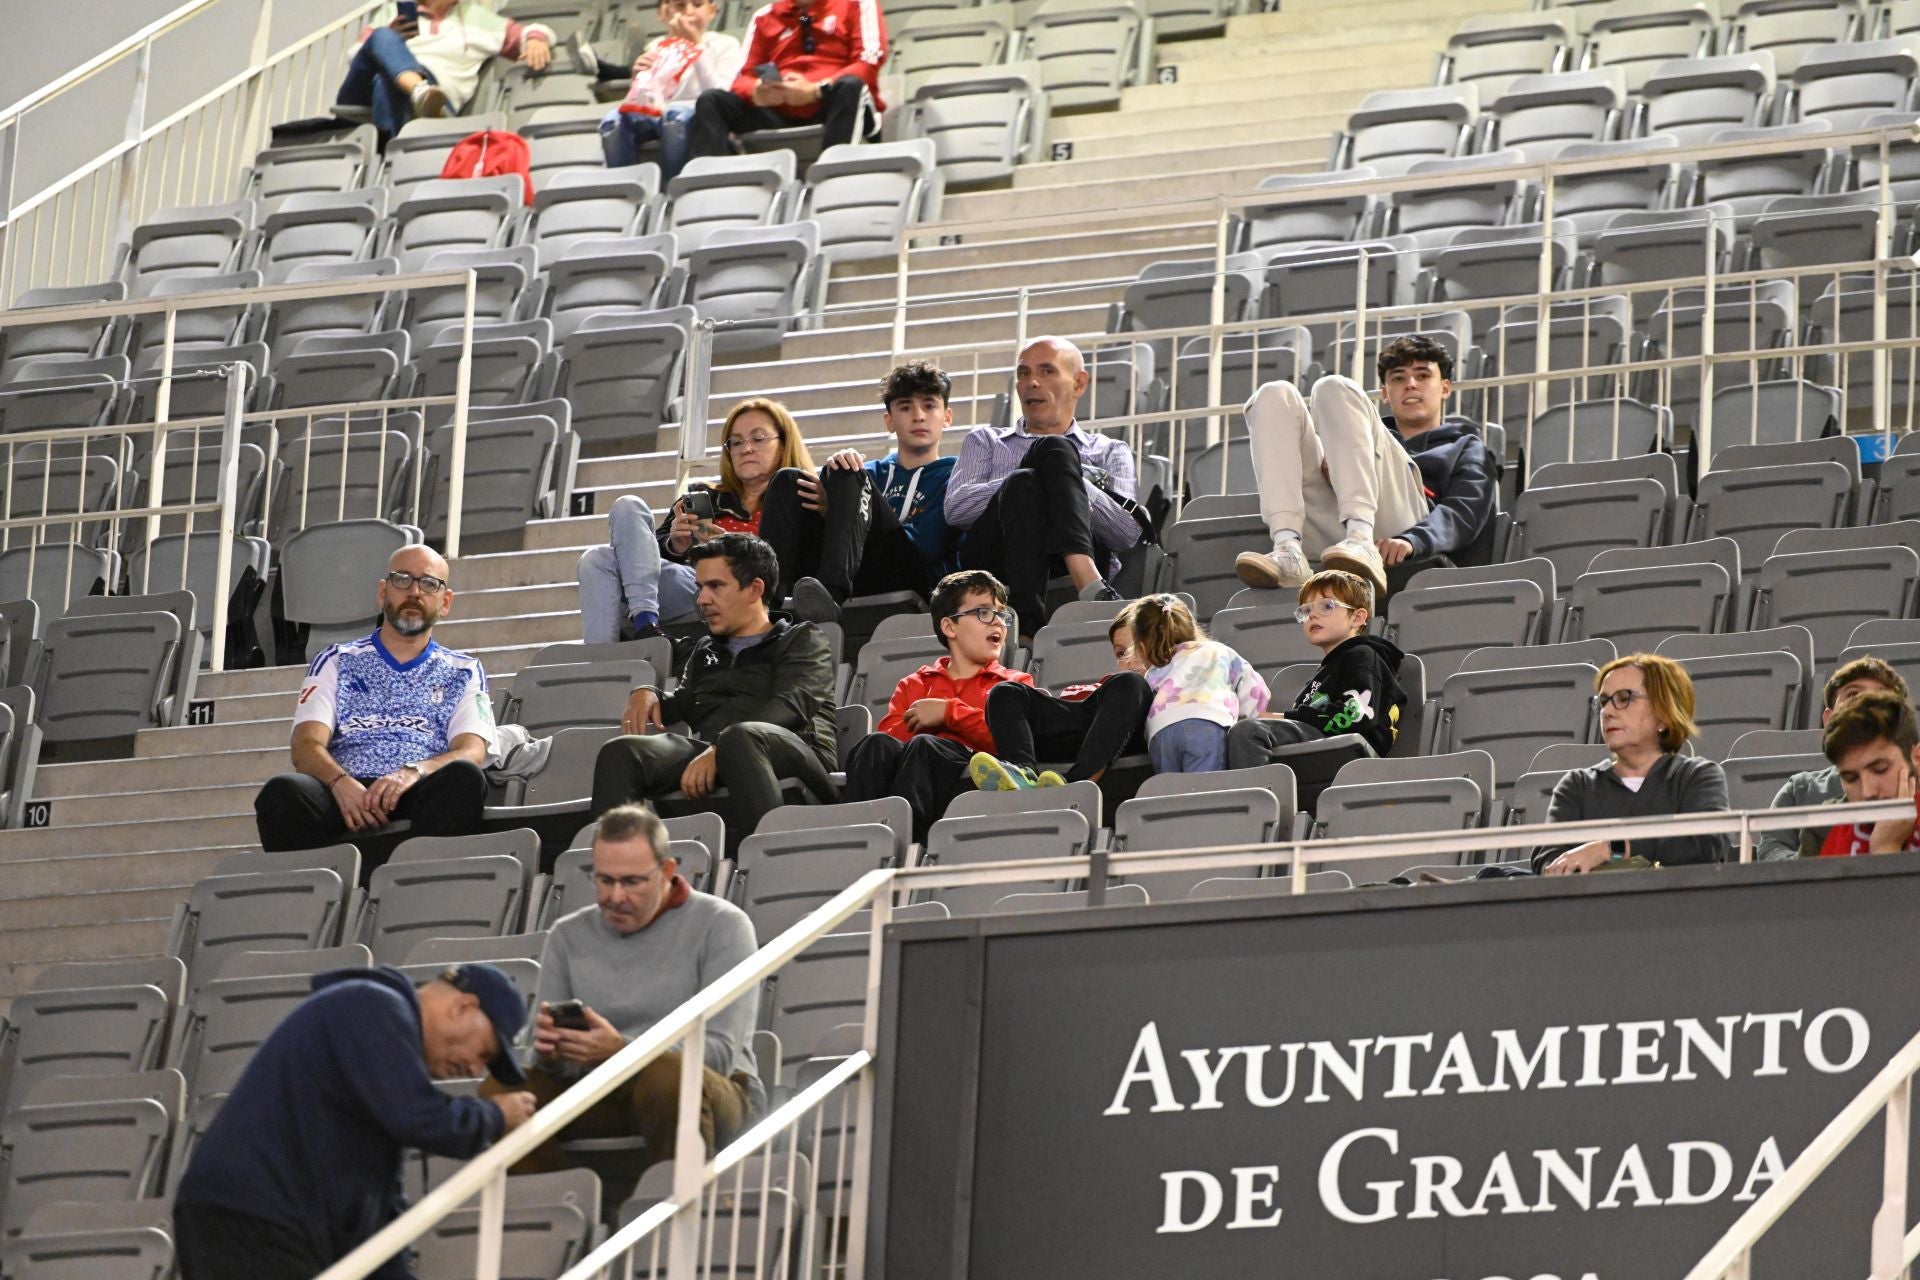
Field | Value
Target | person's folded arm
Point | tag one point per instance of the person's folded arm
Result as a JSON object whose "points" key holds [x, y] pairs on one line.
{"points": [[1704, 791], [1459, 514], [378, 1052], [1567, 804], [972, 483], [802, 684]]}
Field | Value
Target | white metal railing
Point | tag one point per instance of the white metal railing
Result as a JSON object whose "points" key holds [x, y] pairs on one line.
{"points": [[678, 1234]]}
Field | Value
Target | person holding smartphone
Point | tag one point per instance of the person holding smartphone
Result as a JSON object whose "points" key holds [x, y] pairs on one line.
{"points": [[647, 944], [426, 61], [643, 577], [667, 78], [807, 61]]}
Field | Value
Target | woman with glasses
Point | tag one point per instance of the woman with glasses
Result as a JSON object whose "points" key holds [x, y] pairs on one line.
{"points": [[642, 577], [1646, 716]]}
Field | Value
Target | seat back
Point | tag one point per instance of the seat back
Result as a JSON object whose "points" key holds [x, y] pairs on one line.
{"points": [[294, 910], [1637, 608], [1832, 592], [1196, 810], [466, 897], [107, 676], [1511, 713], [1444, 624]]}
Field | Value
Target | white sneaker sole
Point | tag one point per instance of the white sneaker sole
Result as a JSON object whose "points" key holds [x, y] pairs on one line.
{"points": [[1256, 569], [1372, 570]]}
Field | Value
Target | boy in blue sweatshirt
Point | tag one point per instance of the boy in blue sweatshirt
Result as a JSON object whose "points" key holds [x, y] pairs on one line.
{"points": [[860, 527], [302, 1162]]}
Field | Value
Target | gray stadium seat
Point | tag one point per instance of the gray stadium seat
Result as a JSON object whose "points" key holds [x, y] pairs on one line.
{"points": [[822, 988], [896, 651], [67, 340], [53, 574], [1118, 895], [524, 94], [595, 203], [332, 474], [1693, 99], [1660, 245], [1569, 524], [1177, 811], [1070, 653], [1444, 623], [995, 826], [203, 240], [785, 870], [1640, 36], [983, 122], [1591, 200], [417, 153], [340, 369], [1847, 84], [462, 897], [864, 197], [269, 911], [1088, 50], [1832, 592], [1269, 886], [1595, 430], [505, 368], [728, 191], [1265, 635], [1395, 127], [1757, 743], [1795, 640], [1736, 693], [509, 471], [1475, 766], [572, 886], [227, 1019], [552, 1219], [319, 228], [1511, 714], [324, 579], [934, 38], [1773, 412], [1404, 806], [566, 140], [69, 1241], [1507, 657], [1789, 29], [107, 676], [1203, 551], [1755, 505], [1489, 50], [288, 323], [1326, 219], [1540, 115], [1753, 781], [1580, 335], [757, 283], [1755, 318], [623, 374], [502, 275], [96, 1030], [308, 167], [1635, 608], [108, 1143], [595, 277]]}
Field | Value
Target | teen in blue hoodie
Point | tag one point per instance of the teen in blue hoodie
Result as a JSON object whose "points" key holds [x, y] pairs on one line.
{"points": [[859, 527], [302, 1162]]}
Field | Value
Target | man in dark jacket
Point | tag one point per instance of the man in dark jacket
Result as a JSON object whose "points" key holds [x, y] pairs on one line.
{"points": [[757, 694], [1373, 493], [302, 1162]]}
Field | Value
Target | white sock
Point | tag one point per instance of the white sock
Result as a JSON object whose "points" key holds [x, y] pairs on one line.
{"points": [[1281, 537], [1360, 530]]}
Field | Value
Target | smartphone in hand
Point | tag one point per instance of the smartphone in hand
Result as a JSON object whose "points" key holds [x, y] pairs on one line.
{"points": [[700, 504], [569, 1015], [768, 73], [409, 11]]}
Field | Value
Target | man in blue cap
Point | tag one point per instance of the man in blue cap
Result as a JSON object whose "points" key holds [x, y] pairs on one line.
{"points": [[302, 1162]]}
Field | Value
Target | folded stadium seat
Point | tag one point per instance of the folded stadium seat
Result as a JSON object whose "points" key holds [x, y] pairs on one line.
{"points": [[623, 374], [1284, 684], [1511, 713], [1527, 805], [1797, 231], [819, 990], [1088, 50], [1442, 624], [320, 227], [1749, 320], [597, 277], [1779, 412], [1540, 572], [449, 897], [1724, 552], [1248, 360], [1750, 184], [900, 645], [309, 168], [591, 204], [1179, 811], [1266, 635], [19, 751], [325, 369], [1591, 200], [1451, 329], [571, 888], [65, 1241], [1694, 99], [939, 38], [1326, 218], [322, 577], [455, 213], [1791, 28], [507, 367], [1635, 608], [1756, 504], [549, 698], [566, 139], [1184, 19], [1541, 115], [51, 574], [1202, 553], [1472, 766], [983, 122], [1753, 781], [419, 151], [1432, 217], [1759, 744], [90, 1139], [1641, 36], [1395, 127], [1117, 895], [564, 783], [66, 340], [864, 197], [19, 640], [1486, 262], [1898, 533], [1491, 50], [1267, 886], [1831, 592], [1902, 656], [332, 474], [1596, 431], [803, 855], [50, 395], [1404, 806], [562, 17], [1120, 382], [525, 92], [998, 826], [1846, 84], [1794, 640], [1325, 282], [1178, 294], [195, 240], [1638, 248], [196, 330], [509, 474], [97, 1030], [1898, 494], [729, 191], [288, 323], [757, 284], [228, 1018], [267, 911], [1843, 312], [552, 1220], [503, 276], [1736, 693], [744, 1244], [178, 664]]}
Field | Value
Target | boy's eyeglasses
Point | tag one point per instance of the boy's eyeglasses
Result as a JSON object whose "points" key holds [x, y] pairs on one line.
{"points": [[1324, 608], [1620, 699], [982, 614]]}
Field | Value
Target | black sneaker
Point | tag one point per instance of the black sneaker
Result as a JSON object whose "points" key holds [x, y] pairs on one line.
{"points": [[812, 602], [1100, 589]]}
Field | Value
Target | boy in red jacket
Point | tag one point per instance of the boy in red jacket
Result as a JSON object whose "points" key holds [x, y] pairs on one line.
{"points": [[936, 719]]}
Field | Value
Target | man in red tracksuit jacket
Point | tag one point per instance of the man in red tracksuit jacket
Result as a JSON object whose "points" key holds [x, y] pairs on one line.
{"points": [[937, 720], [827, 54]]}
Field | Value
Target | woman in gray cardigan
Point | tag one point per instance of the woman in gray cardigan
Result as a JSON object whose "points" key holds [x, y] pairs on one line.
{"points": [[1646, 713]]}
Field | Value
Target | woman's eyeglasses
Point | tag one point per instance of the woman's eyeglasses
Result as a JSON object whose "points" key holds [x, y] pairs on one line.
{"points": [[1620, 699], [1324, 608], [759, 438]]}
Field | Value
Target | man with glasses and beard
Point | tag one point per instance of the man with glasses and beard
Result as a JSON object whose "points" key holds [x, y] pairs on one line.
{"points": [[392, 726]]}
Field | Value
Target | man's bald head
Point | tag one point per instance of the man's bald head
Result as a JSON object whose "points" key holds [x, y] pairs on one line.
{"points": [[418, 559], [1049, 380], [412, 610]]}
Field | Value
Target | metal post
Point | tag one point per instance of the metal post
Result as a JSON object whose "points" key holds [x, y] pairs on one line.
{"points": [[1703, 429], [900, 300], [493, 1228], [1216, 316], [9, 162], [133, 158], [689, 1164], [462, 392], [229, 491], [1890, 1223], [1543, 314], [863, 1102], [693, 417], [1020, 320], [1882, 249], [162, 411], [1746, 837], [1359, 369], [256, 91]]}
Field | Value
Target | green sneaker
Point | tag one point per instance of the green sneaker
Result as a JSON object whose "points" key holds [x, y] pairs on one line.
{"points": [[1048, 778], [990, 773]]}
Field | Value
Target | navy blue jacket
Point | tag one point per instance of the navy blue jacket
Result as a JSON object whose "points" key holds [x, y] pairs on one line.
{"points": [[1459, 480], [311, 1137]]}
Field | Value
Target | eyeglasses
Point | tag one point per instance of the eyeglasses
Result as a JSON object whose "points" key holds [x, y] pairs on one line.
{"points": [[1620, 699], [982, 614], [400, 581], [738, 443], [1325, 608], [806, 33]]}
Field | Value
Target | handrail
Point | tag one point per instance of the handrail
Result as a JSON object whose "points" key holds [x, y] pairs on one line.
{"points": [[105, 57]]}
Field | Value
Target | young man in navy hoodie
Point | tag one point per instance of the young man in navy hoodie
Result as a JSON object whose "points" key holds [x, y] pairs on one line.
{"points": [[302, 1162]]}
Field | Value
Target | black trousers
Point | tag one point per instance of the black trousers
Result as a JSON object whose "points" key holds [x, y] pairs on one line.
{"points": [[720, 113], [927, 769], [1251, 742], [858, 548], [750, 758], [1030, 725], [294, 811], [214, 1244], [1039, 515]]}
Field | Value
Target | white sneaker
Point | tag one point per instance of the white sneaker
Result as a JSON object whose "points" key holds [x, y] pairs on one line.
{"points": [[1285, 566], [429, 101], [1357, 555]]}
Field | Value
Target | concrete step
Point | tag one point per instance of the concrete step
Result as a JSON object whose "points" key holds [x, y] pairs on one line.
{"points": [[128, 834], [986, 331], [157, 773], [24, 952], [1286, 143], [213, 804], [531, 629], [73, 910], [536, 567], [89, 873], [239, 735], [1258, 157], [1070, 198], [1039, 273]]}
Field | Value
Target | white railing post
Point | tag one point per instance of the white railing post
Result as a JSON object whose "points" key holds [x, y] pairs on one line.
{"points": [[134, 158], [863, 1103], [1882, 358], [457, 456], [1890, 1223], [689, 1157], [254, 125], [1703, 424], [1216, 316], [1542, 319], [238, 374], [695, 402], [491, 1242], [9, 168], [900, 297]]}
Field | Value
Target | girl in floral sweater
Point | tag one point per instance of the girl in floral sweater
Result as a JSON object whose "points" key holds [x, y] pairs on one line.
{"points": [[1200, 687]]}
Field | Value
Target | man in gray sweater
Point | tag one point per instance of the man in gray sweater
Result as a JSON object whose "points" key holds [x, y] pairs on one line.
{"points": [[612, 970], [1822, 786]]}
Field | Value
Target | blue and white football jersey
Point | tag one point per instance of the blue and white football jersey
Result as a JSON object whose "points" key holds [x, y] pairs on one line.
{"points": [[386, 714]]}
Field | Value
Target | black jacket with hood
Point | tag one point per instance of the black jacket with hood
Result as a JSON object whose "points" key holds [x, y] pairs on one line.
{"points": [[784, 679], [1356, 690], [1459, 479]]}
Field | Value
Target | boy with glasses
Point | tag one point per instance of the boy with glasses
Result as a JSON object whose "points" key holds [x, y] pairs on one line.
{"points": [[1356, 689], [936, 720], [392, 726]]}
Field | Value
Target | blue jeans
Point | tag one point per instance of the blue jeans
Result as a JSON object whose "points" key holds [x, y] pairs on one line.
{"points": [[627, 576], [1189, 746], [624, 133], [383, 59]]}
